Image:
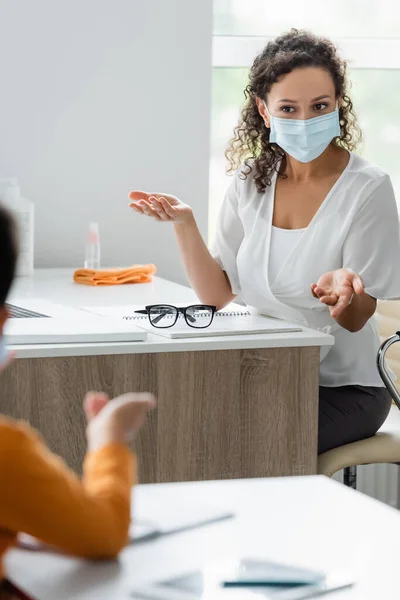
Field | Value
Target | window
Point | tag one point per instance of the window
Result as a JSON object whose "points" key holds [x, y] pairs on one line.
{"points": [[368, 38], [341, 19]]}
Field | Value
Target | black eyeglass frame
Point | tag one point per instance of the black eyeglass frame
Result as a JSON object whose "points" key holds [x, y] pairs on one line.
{"points": [[178, 310]]}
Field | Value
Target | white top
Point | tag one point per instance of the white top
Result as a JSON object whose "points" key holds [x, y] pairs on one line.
{"points": [[57, 285], [356, 227], [295, 520], [283, 243]]}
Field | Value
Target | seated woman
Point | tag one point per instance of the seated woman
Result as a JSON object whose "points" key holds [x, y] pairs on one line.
{"points": [[308, 231], [39, 495]]}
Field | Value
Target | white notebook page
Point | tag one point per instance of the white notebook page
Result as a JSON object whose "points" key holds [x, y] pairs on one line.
{"points": [[233, 320]]}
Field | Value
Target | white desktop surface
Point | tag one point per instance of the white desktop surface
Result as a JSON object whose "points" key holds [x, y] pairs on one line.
{"points": [[308, 521], [57, 285]]}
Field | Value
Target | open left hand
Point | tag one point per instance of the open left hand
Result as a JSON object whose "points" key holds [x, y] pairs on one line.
{"points": [[337, 288], [162, 207]]}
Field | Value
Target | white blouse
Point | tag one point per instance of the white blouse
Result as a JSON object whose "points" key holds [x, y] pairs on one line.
{"points": [[283, 243], [356, 226]]}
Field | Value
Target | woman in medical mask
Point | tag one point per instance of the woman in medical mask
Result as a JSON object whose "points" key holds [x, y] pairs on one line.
{"points": [[308, 231]]}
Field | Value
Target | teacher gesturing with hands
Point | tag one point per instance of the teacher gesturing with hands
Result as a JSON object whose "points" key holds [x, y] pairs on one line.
{"points": [[308, 230]]}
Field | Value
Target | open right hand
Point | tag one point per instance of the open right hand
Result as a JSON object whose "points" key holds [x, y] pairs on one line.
{"points": [[117, 420], [162, 207]]}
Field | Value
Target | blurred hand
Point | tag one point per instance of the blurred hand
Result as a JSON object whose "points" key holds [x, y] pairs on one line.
{"points": [[337, 288], [117, 420], [161, 207]]}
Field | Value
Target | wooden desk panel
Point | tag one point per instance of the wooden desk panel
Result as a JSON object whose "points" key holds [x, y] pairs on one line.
{"points": [[221, 414]]}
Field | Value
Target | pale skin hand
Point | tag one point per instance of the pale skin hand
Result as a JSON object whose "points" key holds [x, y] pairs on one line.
{"points": [[162, 207], [344, 293], [114, 421]]}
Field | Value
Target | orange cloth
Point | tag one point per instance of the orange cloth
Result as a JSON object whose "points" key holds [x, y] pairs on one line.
{"points": [[41, 497], [134, 274]]}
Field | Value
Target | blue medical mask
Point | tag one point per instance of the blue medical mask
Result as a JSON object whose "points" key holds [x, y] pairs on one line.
{"points": [[302, 139], [4, 354]]}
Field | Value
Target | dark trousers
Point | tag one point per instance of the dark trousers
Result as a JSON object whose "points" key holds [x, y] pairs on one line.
{"points": [[350, 413]]}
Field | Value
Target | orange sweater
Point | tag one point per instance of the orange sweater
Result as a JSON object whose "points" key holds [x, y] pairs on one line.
{"points": [[41, 497]]}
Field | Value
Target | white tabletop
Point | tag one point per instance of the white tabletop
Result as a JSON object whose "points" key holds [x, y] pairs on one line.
{"points": [[307, 521], [57, 285]]}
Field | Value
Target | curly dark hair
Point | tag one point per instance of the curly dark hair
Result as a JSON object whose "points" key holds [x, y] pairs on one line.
{"points": [[250, 147]]}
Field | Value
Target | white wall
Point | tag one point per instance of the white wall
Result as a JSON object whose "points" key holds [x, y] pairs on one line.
{"points": [[99, 97]]}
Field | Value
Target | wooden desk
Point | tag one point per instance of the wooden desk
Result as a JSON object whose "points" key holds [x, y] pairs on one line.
{"points": [[228, 407], [312, 522]]}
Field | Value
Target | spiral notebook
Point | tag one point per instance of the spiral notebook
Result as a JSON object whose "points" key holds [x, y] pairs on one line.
{"points": [[233, 320]]}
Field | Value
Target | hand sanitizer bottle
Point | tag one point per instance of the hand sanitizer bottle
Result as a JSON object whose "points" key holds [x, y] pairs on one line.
{"points": [[92, 255]]}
